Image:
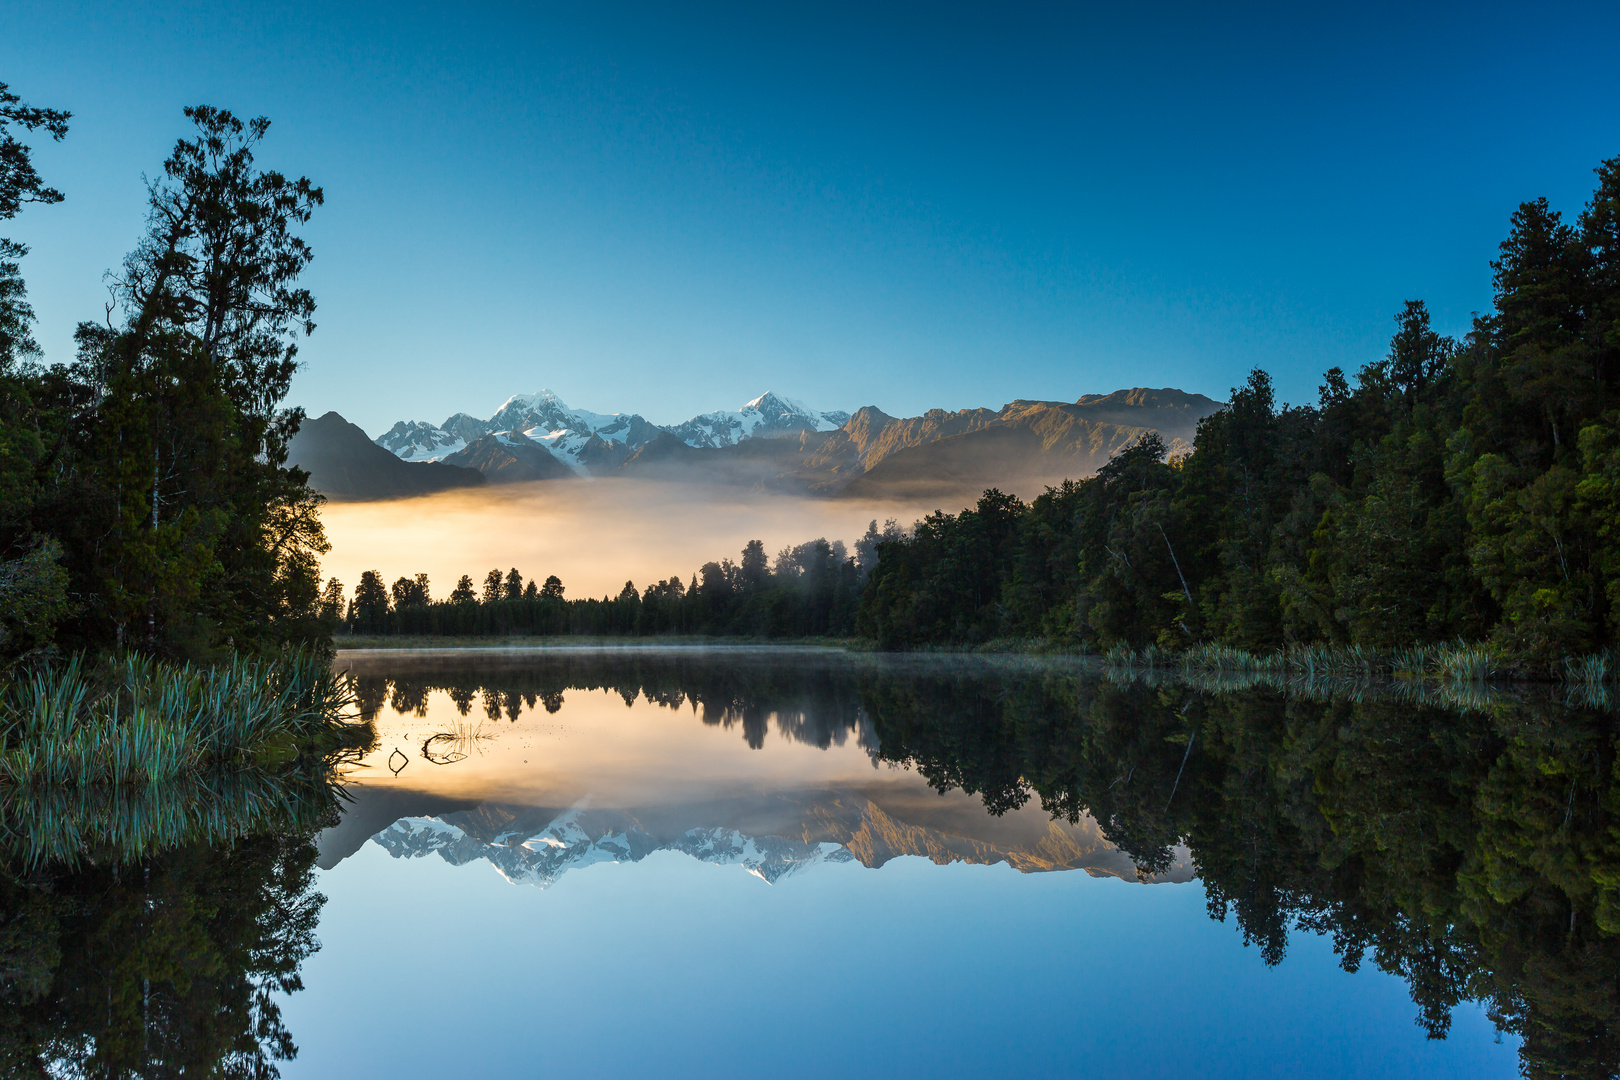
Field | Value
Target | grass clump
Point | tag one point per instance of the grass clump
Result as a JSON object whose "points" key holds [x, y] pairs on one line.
{"points": [[136, 721]]}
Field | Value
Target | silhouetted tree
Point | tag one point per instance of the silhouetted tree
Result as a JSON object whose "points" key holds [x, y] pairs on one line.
{"points": [[371, 604]]}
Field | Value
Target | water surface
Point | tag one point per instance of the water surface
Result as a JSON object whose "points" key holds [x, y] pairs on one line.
{"points": [[807, 863]]}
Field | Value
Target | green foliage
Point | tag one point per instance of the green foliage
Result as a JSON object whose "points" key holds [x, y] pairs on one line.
{"points": [[33, 599], [139, 722], [152, 468], [1457, 490]]}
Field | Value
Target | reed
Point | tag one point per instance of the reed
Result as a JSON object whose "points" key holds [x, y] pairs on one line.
{"points": [[136, 721], [1120, 655]]}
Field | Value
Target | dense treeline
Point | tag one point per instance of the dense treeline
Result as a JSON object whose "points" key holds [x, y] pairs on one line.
{"points": [[811, 590], [145, 499], [1455, 489]]}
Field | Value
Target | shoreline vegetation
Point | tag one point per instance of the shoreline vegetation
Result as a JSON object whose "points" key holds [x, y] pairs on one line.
{"points": [[135, 721], [130, 756], [1449, 514], [427, 642], [1455, 490]]}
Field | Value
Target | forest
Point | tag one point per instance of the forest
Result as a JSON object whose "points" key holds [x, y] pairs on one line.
{"points": [[159, 567], [1451, 491]]}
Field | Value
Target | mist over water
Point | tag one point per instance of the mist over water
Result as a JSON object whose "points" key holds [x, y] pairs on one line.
{"points": [[593, 534]]}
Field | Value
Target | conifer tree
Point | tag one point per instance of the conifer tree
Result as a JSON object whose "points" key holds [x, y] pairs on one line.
{"points": [[371, 604]]}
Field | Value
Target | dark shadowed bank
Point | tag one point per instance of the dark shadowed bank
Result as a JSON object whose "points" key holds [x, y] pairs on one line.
{"points": [[166, 754]]}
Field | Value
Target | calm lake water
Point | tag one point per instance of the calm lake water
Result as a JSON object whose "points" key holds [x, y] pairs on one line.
{"points": [[801, 863]]}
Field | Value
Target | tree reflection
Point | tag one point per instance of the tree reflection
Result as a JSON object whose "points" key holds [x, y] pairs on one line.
{"points": [[1474, 854], [145, 934], [816, 703], [167, 967]]}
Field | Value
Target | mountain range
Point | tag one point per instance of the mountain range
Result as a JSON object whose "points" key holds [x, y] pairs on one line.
{"points": [[343, 463], [773, 443], [596, 443]]}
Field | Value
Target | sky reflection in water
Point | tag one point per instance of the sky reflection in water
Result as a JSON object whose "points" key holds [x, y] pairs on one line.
{"points": [[734, 882]]}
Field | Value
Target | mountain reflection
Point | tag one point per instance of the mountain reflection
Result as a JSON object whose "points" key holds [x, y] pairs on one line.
{"points": [[1472, 851]]}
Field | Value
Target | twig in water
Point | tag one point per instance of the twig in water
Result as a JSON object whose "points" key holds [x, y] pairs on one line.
{"points": [[1179, 771]]}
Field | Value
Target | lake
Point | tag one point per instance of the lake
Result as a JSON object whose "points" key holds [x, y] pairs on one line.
{"points": [[801, 862]]}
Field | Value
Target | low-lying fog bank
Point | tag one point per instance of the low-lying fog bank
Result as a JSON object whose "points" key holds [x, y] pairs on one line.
{"points": [[594, 535]]}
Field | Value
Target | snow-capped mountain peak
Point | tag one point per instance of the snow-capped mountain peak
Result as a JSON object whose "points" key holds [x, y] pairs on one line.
{"points": [[418, 440], [768, 414], [588, 441]]}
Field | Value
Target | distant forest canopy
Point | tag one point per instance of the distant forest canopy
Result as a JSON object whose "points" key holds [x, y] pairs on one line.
{"points": [[812, 589], [144, 497], [1454, 490]]}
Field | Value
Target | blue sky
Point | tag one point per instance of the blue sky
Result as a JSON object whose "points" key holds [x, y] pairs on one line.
{"points": [[669, 209]]}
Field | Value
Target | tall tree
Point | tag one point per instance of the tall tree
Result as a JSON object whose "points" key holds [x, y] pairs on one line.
{"points": [[371, 603], [165, 474], [33, 584]]}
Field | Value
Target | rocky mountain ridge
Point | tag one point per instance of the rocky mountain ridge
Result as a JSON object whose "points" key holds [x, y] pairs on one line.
{"points": [[586, 440], [344, 463], [778, 443]]}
